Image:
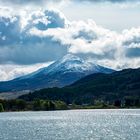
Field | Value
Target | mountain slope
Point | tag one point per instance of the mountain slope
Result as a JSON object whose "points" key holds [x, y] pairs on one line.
{"points": [[108, 87], [61, 73]]}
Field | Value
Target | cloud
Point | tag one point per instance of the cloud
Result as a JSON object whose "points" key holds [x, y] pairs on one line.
{"points": [[17, 45], [37, 3], [131, 43], [90, 41], [58, 1], [27, 1], [113, 1], [86, 39], [41, 36], [10, 71], [83, 37]]}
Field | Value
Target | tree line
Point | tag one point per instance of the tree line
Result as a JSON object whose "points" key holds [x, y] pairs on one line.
{"points": [[35, 105], [48, 105]]}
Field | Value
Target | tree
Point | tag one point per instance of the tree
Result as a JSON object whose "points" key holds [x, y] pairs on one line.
{"points": [[117, 103], [51, 105], [46, 105], [1, 108], [60, 105], [129, 102], [21, 104], [37, 105]]}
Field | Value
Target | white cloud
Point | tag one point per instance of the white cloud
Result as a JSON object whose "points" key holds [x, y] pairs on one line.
{"points": [[116, 50], [10, 71], [18, 46], [58, 1], [42, 36]]}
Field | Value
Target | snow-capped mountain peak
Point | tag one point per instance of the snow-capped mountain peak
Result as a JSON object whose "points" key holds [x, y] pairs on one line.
{"points": [[70, 57], [63, 72], [69, 63]]}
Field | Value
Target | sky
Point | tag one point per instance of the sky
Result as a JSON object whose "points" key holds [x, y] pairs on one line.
{"points": [[35, 33]]}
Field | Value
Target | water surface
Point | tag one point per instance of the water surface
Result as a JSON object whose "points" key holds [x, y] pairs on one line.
{"points": [[71, 125]]}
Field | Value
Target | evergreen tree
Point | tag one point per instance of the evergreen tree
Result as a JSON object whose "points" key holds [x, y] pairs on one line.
{"points": [[51, 105], [37, 105], [1, 108]]}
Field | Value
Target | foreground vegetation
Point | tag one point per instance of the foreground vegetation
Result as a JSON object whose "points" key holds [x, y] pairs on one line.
{"points": [[121, 88], [36, 105], [117, 90], [47, 105]]}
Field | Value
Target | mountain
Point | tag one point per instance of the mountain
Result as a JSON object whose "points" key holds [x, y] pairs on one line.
{"points": [[61, 73], [108, 87]]}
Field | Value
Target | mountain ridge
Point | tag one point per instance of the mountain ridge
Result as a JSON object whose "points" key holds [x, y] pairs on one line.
{"points": [[120, 85], [63, 72]]}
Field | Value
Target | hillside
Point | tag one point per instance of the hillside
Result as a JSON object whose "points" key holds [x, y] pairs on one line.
{"points": [[63, 72], [108, 87]]}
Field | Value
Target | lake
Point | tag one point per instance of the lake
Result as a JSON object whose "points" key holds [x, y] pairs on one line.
{"points": [[71, 125]]}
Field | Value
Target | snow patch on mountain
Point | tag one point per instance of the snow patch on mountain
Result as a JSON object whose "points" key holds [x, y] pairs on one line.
{"points": [[69, 63]]}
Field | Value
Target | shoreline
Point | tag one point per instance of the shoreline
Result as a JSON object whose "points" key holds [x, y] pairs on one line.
{"points": [[71, 110]]}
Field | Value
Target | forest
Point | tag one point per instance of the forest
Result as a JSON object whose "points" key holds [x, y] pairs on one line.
{"points": [[120, 89]]}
